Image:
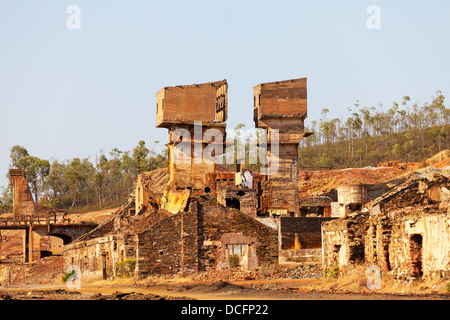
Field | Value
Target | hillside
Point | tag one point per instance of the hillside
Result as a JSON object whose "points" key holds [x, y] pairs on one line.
{"points": [[406, 147]]}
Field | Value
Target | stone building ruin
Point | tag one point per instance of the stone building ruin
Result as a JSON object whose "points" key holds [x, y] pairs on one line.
{"points": [[405, 232], [196, 215]]}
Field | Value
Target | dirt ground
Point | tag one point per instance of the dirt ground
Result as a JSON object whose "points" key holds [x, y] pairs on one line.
{"points": [[237, 290], [43, 281]]}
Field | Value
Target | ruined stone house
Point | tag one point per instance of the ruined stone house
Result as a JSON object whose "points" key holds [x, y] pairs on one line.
{"points": [[202, 236], [406, 232]]}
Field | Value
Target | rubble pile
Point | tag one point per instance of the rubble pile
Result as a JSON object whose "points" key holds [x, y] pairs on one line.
{"points": [[228, 274], [312, 271], [42, 271], [135, 296]]}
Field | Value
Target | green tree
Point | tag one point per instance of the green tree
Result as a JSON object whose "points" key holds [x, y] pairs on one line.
{"points": [[140, 153], [6, 200], [79, 175], [16, 153], [35, 169], [405, 132]]}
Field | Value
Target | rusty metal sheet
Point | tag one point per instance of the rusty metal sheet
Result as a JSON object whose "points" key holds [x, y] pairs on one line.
{"points": [[176, 201]]}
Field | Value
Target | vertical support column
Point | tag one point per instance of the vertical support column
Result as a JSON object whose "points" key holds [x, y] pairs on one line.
{"points": [[30, 243], [25, 242]]}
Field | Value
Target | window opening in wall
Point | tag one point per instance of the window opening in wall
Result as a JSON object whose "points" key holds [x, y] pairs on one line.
{"points": [[235, 249], [233, 203], [235, 253], [388, 262], [46, 253], [336, 249]]}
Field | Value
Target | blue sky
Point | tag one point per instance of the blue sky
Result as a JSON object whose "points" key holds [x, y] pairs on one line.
{"points": [[69, 93]]}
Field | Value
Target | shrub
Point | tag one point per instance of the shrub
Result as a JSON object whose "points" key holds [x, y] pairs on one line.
{"points": [[331, 273], [234, 261], [125, 268]]}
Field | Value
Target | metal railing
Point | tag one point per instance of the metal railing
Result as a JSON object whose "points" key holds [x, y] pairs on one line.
{"points": [[29, 219]]}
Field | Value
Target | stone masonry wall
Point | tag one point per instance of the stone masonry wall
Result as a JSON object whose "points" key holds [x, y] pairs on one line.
{"points": [[88, 255], [216, 221], [197, 240]]}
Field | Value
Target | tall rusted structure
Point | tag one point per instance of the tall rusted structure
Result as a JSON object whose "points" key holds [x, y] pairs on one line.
{"points": [[281, 108], [22, 199], [23, 203], [188, 111]]}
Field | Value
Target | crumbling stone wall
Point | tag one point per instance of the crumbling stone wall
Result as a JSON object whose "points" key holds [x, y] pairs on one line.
{"points": [[406, 232], [343, 242], [197, 240], [88, 255], [216, 221], [428, 257], [240, 198], [159, 248]]}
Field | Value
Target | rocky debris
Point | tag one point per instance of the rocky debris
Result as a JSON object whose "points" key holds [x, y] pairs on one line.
{"points": [[57, 294], [5, 296], [317, 183], [390, 164], [44, 270], [217, 287], [134, 296], [310, 271], [227, 274]]}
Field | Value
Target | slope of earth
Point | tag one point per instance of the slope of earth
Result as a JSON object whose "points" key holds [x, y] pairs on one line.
{"points": [[316, 183], [98, 217]]}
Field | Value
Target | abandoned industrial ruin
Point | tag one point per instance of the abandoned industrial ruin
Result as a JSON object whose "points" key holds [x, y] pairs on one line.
{"points": [[197, 216]]}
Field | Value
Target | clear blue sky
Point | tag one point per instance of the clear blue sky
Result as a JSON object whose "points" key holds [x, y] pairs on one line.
{"points": [[69, 93]]}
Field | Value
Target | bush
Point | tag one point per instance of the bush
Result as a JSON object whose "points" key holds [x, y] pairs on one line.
{"points": [[125, 268], [234, 261], [331, 273]]}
